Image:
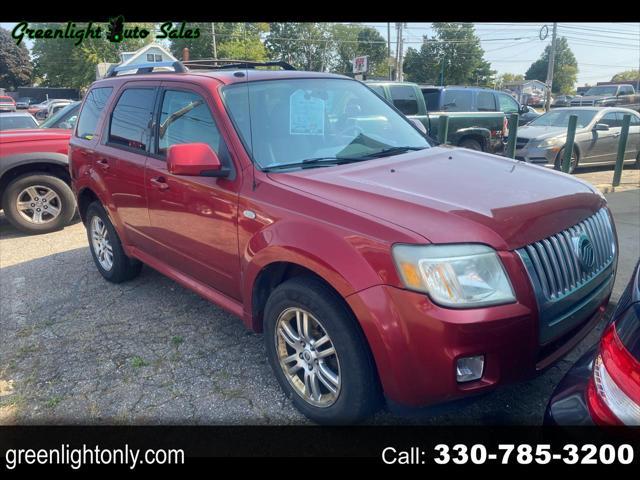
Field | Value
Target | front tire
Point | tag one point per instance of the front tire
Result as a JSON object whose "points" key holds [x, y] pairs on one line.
{"points": [[560, 158], [38, 203], [319, 354], [106, 248]]}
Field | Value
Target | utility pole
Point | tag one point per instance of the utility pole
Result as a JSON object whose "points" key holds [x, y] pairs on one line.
{"points": [[389, 50], [213, 41], [400, 55], [552, 61], [398, 34]]}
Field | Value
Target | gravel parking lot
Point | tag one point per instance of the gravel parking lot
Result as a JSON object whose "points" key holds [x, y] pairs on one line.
{"points": [[77, 349]]}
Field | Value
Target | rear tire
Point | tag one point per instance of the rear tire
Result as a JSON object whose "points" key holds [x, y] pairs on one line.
{"points": [[38, 203], [471, 144], [355, 392], [106, 248]]}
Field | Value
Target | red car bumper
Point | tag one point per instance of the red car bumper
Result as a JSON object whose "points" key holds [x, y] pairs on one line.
{"points": [[416, 343]]}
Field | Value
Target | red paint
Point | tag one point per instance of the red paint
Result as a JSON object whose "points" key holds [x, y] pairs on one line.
{"points": [[341, 223], [192, 159]]}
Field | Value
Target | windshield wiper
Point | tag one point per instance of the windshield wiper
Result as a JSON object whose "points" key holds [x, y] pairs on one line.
{"points": [[391, 151], [311, 162]]}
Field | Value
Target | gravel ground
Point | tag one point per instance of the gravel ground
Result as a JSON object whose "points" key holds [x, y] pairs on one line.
{"points": [[77, 349]]}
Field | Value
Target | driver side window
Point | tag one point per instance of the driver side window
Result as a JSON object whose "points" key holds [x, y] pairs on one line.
{"points": [[185, 118], [507, 104], [612, 119]]}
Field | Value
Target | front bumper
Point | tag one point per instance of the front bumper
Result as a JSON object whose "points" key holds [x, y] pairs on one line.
{"points": [[416, 343], [541, 156]]}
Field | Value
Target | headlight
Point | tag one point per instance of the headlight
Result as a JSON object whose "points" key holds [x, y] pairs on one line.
{"points": [[464, 275], [552, 142]]}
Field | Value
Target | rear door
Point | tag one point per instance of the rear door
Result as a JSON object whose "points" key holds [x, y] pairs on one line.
{"points": [[121, 159], [193, 218]]}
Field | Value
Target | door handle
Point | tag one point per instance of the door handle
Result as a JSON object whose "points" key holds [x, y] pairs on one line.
{"points": [[103, 163], [159, 183]]}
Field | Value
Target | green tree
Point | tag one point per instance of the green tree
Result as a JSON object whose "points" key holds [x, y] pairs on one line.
{"points": [[505, 78], [307, 46], [62, 63], [234, 40], [565, 67], [626, 76], [355, 40], [453, 53], [15, 66]]}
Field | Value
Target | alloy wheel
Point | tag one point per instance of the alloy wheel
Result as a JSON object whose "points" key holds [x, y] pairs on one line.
{"points": [[101, 244], [308, 357], [38, 204]]}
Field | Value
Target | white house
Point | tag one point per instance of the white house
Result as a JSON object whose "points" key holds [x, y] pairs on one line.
{"points": [[525, 88], [150, 53]]}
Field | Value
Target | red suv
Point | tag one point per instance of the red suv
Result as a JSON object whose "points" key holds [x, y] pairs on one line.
{"points": [[376, 264]]}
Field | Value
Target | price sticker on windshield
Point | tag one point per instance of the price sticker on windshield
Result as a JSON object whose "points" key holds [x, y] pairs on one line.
{"points": [[306, 114]]}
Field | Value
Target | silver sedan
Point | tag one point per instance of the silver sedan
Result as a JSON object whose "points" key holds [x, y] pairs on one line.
{"points": [[596, 142]]}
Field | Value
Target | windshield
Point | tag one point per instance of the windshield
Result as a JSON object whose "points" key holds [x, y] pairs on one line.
{"points": [[63, 118], [287, 122], [560, 118], [23, 121], [602, 91]]}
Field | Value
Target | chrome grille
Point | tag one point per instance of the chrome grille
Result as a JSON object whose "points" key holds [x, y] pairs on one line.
{"points": [[561, 261]]}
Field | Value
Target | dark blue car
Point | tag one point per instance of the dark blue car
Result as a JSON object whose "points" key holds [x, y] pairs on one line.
{"points": [[603, 387]]}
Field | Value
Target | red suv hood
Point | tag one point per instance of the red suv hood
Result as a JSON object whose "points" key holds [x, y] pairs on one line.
{"points": [[455, 195], [33, 134]]}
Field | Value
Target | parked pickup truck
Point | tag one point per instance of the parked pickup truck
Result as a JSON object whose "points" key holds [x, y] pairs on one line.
{"points": [[609, 96], [377, 264], [476, 115]]}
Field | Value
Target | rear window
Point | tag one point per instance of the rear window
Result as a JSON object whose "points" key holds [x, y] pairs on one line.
{"points": [[431, 98], [93, 106], [6, 99], [130, 118], [457, 101], [404, 99]]}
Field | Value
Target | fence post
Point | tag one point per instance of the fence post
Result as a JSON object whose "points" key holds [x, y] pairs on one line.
{"points": [[568, 146], [513, 134], [443, 129], [622, 146]]}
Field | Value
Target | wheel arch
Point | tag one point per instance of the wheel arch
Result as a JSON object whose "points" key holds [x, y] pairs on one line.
{"points": [[277, 253], [18, 165]]}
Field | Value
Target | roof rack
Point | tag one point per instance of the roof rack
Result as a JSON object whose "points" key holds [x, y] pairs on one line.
{"points": [[204, 64], [217, 64], [113, 71]]}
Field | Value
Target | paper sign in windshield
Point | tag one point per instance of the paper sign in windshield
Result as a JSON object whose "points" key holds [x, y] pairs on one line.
{"points": [[306, 114]]}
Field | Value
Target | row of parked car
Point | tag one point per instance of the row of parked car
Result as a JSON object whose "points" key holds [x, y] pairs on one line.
{"points": [[378, 264], [40, 111]]}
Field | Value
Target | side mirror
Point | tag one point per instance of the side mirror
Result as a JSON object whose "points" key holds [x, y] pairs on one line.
{"points": [[194, 159], [601, 127], [523, 109], [419, 125]]}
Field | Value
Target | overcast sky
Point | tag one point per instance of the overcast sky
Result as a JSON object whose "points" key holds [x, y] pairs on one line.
{"points": [[602, 49]]}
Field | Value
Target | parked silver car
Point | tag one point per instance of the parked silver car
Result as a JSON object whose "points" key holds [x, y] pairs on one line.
{"points": [[17, 120], [596, 143]]}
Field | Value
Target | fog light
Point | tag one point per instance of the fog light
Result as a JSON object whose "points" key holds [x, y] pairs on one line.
{"points": [[469, 368]]}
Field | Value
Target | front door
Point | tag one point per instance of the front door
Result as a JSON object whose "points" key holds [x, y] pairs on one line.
{"points": [[606, 141], [193, 218]]}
